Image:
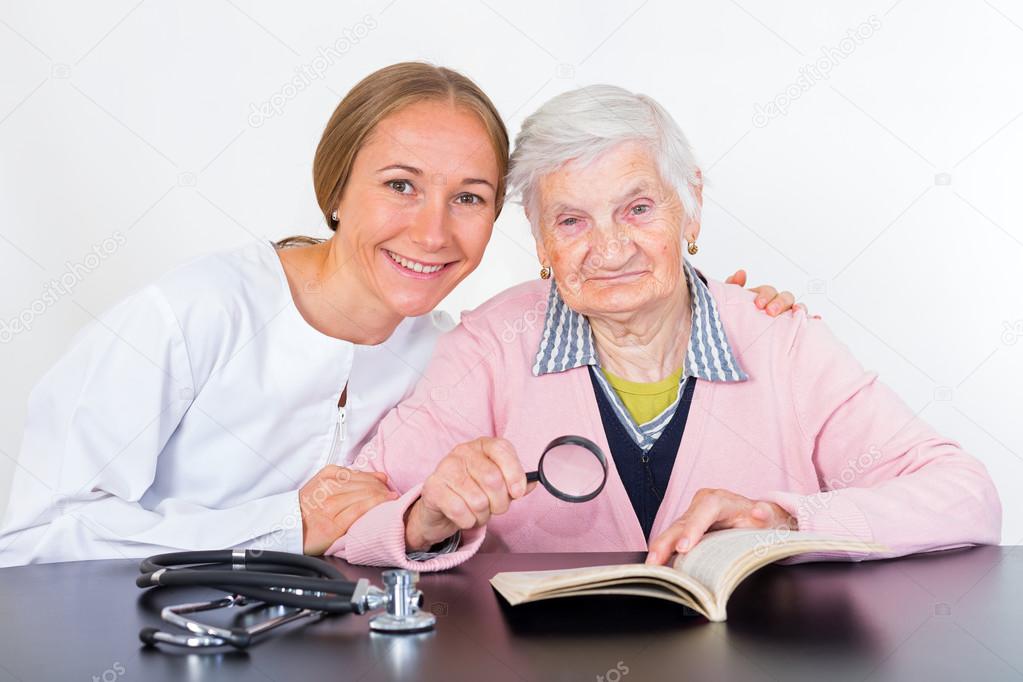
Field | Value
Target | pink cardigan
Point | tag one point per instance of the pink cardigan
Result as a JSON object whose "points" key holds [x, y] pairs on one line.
{"points": [[810, 430]]}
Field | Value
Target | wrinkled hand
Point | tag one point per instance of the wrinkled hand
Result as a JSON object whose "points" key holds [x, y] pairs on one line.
{"points": [[714, 509], [474, 481], [768, 297], [333, 500]]}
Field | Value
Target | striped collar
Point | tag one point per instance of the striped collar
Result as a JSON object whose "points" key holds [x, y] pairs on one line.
{"points": [[567, 340]]}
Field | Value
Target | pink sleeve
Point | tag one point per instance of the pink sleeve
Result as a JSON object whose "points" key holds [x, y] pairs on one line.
{"points": [[378, 539], [451, 404], [883, 474]]}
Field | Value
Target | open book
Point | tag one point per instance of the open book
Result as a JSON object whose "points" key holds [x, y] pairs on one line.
{"points": [[702, 579]]}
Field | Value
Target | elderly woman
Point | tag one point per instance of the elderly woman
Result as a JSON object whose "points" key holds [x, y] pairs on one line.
{"points": [[715, 415]]}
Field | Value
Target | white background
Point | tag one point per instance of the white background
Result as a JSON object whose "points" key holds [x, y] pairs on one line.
{"points": [[885, 197]]}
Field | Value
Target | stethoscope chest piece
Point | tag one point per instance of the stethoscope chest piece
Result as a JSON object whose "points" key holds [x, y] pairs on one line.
{"points": [[403, 602]]}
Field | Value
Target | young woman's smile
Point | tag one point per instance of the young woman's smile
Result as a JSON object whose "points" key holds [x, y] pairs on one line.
{"points": [[416, 269]]}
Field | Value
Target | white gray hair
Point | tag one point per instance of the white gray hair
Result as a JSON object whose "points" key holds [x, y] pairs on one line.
{"points": [[582, 124]]}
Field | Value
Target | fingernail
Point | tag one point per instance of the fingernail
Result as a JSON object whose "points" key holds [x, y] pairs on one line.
{"points": [[683, 546], [760, 302], [773, 308]]}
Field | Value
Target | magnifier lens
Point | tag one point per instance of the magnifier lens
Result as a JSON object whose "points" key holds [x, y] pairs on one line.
{"points": [[573, 470]]}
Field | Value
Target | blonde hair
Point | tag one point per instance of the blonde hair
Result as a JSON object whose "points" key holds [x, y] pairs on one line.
{"points": [[379, 95]]}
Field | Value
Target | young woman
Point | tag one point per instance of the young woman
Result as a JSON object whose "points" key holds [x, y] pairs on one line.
{"points": [[218, 406]]}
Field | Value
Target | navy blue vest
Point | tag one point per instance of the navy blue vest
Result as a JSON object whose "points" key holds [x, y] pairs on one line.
{"points": [[645, 474]]}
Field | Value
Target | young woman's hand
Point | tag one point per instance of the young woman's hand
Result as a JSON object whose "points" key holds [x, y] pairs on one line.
{"points": [[768, 298], [713, 509], [334, 499], [475, 481]]}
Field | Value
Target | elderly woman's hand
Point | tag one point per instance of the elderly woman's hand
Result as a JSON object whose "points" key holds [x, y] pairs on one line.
{"points": [[768, 297], [713, 509], [475, 481]]}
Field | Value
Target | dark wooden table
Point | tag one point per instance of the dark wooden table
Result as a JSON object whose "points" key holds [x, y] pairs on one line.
{"points": [[951, 616]]}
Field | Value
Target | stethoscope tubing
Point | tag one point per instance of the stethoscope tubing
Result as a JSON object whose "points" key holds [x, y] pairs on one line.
{"points": [[241, 558], [321, 586]]}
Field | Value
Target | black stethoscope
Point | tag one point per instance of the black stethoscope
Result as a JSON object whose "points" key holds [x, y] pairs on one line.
{"points": [[305, 587], [572, 468]]}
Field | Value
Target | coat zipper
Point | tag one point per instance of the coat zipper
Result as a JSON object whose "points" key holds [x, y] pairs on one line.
{"points": [[340, 427]]}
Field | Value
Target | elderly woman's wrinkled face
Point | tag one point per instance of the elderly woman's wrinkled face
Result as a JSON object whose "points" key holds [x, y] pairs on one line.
{"points": [[612, 231]]}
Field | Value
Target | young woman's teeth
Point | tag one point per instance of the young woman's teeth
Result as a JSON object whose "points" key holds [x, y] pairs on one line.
{"points": [[412, 265]]}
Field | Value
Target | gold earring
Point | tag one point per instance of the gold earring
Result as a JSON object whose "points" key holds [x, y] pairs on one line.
{"points": [[693, 248], [545, 272]]}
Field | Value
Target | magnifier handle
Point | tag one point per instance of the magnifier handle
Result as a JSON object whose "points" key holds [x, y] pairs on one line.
{"points": [[532, 476]]}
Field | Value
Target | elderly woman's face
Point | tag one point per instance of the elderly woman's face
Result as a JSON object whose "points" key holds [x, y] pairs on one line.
{"points": [[612, 231]]}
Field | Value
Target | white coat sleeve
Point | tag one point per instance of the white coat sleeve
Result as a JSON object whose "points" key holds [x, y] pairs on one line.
{"points": [[96, 425]]}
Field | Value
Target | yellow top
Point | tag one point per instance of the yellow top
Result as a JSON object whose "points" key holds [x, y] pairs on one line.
{"points": [[644, 401]]}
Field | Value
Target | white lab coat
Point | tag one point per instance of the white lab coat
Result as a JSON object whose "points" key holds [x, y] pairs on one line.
{"points": [[190, 415]]}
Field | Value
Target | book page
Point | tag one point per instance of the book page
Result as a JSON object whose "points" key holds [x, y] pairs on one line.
{"points": [[724, 557], [712, 557]]}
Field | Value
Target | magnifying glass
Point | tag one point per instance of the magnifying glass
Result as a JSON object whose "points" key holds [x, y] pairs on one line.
{"points": [[571, 468]]}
